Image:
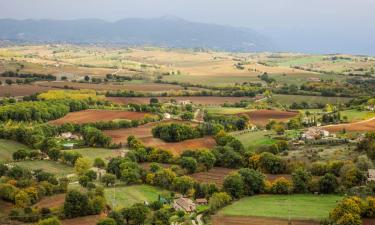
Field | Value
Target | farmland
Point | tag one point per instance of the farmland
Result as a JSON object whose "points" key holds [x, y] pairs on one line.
{"points": [[283, 206], [89, 116], [204, 100], [7, 148], [289, 99], [92, 153], [262, 117], [128, 195], [49, 166], [367, 125], [21, 90], [254, 139]]}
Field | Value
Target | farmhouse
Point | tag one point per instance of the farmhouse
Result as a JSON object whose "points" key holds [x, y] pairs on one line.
{"points": [[314, 133], [314, 79], [201, 201], [166, 116], [69, 135], [184, 204]]}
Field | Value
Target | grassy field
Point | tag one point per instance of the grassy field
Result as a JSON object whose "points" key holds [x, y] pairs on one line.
{"points": [[254, 139], [128, 195], [289, 99], [278, 206], [8, 147], [356, 115], [226, 110], [92, 153], [49, 166]]}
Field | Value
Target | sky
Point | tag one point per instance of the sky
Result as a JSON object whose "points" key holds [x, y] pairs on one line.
{"points": [[342, 22]]}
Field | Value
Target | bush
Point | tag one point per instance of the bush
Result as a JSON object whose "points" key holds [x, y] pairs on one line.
{"points": [[189, 163], [107, 221], [328, 183], [281, 186], [49, 221], [234, 185]]}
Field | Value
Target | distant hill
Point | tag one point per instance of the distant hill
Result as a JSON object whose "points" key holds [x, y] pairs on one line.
{"points": [[164, 32]]}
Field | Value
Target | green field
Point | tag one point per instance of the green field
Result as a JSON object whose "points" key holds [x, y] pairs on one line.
{"points": [[255, 139], [225, 110], [356, 115], [278, 206], [211, 80], [128, 195], [56, 168], [93, 153], [8, 147], [289, 99]]}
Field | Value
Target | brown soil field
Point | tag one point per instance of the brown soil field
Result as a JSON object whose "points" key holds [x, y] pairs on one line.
{"points": [[247, 220], [21, 90], [51, 201], [86, 220], [143, 131], [178, 147], [262, 117], [205, 100], [367, 125], [91, 115], [147, 87], [144, 134], [217, 174]]}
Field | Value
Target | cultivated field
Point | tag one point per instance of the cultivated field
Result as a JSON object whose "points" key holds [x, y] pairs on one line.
{"points": [[289, 99], [144, 134], [86, 220], [262, 117], [21, 90], [90, 115], [367, 125], [141, 87], [53, 201], [204, 100], [268, 209]]}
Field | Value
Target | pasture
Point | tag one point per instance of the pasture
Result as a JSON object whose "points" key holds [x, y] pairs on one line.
{"points": [[125, 196], [56, 168], [8, 147], [92, 153], [300, 206], [252, 140]]}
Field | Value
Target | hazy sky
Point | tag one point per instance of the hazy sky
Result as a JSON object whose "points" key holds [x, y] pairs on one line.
{"points": [[344, 20]]}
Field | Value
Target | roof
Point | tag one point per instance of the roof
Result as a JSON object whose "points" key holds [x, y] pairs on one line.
{"points": [[371, 174], [185, 203], [201, 200]]}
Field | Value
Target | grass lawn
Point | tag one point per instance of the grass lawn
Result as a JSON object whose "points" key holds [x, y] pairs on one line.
{"points": [[128, 195], [93, 153], [278, 206], [255, 139], [49, 166], [226, 110], [8, 147]]}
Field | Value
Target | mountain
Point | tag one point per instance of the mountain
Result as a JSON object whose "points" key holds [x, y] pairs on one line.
{"points": [[163, 31]]}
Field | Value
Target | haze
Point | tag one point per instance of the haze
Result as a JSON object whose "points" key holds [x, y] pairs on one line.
{"points": [[319, 26]]}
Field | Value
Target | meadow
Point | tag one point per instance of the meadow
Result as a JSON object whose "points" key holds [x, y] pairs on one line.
{"points": [[8, 147], [254, 139], [300, 206], [56, 168], [125, 196]]}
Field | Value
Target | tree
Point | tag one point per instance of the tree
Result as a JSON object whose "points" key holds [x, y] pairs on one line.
{"points": [[138, 213], [189, 163], [76, 204], [218, 200], [234, 185], [82, 165], [271, 163], [206, 158], [281, 186], [347, 212], [253, 181], [99, 163], [106, 221], [22, 200], [83, 181], [54, 154], [328, 183], [87, 78], [187, 116], [21, 154], [183, 184], [161, 217], [301, 179], [154, 101], [108, 179], [49, 221]]}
